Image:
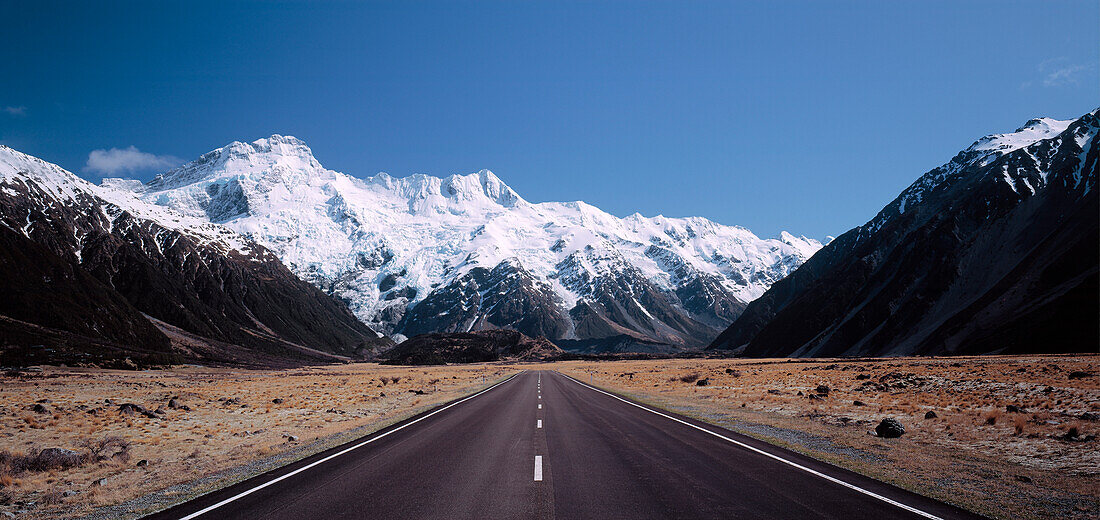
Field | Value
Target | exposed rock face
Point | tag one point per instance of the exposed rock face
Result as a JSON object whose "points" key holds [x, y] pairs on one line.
{"points": [[996, 251], [506, 297], [94, 273], [470, 347]]}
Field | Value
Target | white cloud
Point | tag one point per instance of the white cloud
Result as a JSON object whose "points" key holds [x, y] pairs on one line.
{"points": [[16, 111], [128, 160], [1064, 76], [1060, 71]]}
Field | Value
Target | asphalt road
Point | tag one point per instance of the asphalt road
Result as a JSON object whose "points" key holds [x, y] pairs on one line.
{"points": [[542, 445]]}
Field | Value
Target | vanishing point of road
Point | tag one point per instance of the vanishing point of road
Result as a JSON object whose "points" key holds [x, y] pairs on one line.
{"points": [[543, 445]]}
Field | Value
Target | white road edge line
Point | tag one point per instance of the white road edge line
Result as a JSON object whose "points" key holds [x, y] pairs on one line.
{"points": [[334, 455], [773, 456], [539, 425], [538, 468]]}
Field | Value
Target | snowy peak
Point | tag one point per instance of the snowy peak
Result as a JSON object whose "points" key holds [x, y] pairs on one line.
{"points": [[275, 154], [424, 253], [430, 193], [1033, 131]]}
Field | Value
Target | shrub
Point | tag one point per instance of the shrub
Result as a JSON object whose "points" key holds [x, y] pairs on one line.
{"points": [[109, 447], [689, 378]]}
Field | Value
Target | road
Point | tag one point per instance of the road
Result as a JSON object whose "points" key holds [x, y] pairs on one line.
{"points": [[543, 445]]}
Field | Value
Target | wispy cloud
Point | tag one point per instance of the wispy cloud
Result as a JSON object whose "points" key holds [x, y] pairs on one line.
{"points": [[128, 160], [16, 111], [1060, 71]]}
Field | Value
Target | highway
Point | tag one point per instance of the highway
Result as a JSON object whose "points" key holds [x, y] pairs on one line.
{"points": [[543, 445]]}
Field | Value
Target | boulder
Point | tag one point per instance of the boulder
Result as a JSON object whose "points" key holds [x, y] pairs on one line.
{"points": [[930, 415], [889, 428]]}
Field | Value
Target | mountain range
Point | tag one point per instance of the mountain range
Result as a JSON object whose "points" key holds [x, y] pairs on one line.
{"points": [[94, 275], [255, 254], [424, 254], [996, 251]]}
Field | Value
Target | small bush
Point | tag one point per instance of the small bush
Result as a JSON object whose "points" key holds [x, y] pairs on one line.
{"points": [[690, 378], [109, 447], [1019, 423], [53, 497]]}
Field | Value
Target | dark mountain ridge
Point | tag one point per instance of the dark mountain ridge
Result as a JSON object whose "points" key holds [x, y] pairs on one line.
{"points": [[471, 347], [994, 252]]}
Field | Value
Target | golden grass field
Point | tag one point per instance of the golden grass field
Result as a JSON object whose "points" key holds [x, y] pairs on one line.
{"points": [[1030, 463], [215, 443], [975, 453]]}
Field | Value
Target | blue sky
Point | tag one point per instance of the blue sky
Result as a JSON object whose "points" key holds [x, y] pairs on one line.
{"points": [[807, 117]]}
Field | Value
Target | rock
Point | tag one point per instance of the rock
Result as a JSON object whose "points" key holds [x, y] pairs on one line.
{"points": [[702, 382], [800, 393], [858, 403], [173, 403], [863, 376], [131, 409], [1090, 416], [822, 390], [889, 428], [277, 400], [733, 372], [59, 458], [100, 482], [775, 392], [930, 415], [1013, 409], [1079, 374], [291, 438], [70, 493], [1023, 478], [40, 408], [816, 397], [142, 463]]}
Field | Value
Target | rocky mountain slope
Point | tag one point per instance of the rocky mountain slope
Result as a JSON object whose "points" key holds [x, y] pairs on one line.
{"points": [[426, 254], [92, 273], [995, 251], [470, 347]]}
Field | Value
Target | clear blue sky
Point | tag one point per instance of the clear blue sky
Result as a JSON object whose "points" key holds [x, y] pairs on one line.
{"points": [[807, 117]]}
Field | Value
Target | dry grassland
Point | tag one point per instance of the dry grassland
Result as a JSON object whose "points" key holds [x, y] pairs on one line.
{"points": [[227, 425], [1012, 437]]}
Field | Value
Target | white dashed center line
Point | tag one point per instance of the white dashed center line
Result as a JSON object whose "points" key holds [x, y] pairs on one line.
{"points": [[538, 468]]}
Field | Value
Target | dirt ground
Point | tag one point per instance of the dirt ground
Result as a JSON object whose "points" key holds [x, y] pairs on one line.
{"points": [[1012, 437], [227, 425]]}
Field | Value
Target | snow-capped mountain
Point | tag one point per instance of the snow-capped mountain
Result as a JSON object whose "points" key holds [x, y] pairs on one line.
{"points": [[96, 272], [995, 251], [466, 252]]}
